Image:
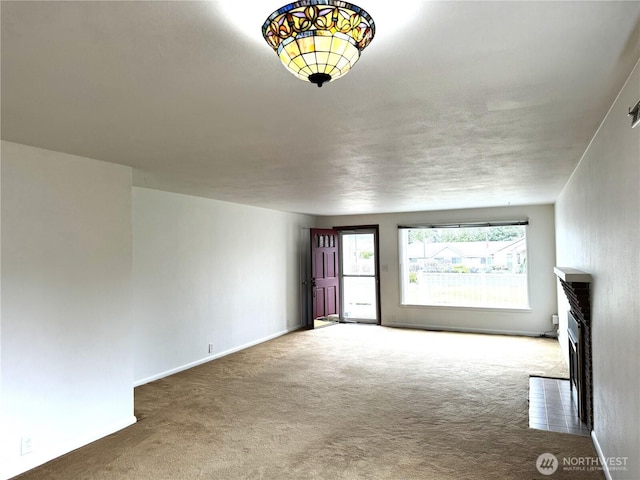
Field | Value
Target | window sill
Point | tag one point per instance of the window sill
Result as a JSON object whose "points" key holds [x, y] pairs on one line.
{"points": [[475, 309]]}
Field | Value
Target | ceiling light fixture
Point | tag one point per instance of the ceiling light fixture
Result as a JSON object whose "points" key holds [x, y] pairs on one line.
{"points": [[319, 40], [635, 115]]}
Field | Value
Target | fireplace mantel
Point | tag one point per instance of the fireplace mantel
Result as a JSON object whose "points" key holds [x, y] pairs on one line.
{"points": [[571, 275]]}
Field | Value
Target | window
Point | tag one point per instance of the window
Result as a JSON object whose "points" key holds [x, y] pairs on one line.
{"points": [[473, 265]]}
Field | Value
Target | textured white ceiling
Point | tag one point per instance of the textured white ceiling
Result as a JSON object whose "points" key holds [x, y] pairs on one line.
{"points": [[469, 104]]}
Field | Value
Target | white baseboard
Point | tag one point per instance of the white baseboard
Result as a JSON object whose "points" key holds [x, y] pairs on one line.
{"points": [[9, 470], [34, 460], [441, 328], [209, 358], [603, 463]]}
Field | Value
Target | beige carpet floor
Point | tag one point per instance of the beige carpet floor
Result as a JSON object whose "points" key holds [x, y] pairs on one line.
{"points": [[345, 402]]}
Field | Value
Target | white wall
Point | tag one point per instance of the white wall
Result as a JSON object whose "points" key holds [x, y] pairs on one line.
{"points": [[66, 344], [207, 271], [541, 257], [598, 231], [79, 328]]}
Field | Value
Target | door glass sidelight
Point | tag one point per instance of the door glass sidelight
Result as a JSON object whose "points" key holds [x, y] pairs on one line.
{"points": [[359, 276]]}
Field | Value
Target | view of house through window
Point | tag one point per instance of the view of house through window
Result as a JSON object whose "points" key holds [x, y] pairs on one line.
{"points": [[477, 266]]}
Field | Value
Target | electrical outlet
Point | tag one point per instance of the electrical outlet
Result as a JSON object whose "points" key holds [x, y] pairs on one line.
{"points": [[554, 319], [26, 445], [211, 348]]}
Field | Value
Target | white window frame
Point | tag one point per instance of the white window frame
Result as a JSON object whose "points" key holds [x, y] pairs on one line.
{"points": [[404, 264]]}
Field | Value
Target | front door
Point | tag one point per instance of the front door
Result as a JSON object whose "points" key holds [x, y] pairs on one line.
{"points": [[325, 280]]}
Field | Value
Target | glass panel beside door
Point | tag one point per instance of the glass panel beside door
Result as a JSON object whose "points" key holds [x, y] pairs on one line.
{"points": [[359, 276]]}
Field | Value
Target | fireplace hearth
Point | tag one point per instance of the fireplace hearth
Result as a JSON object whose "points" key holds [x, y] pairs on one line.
{"points": [[576, 287]]}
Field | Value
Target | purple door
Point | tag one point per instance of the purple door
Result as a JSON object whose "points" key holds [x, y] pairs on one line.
{"points": [[324, 273]]}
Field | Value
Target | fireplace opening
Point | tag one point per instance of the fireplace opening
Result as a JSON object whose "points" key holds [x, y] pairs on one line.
{"points": [[576, 369]]}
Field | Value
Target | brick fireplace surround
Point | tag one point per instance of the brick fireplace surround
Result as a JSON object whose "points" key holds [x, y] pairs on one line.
{"points": [[575, 284]]}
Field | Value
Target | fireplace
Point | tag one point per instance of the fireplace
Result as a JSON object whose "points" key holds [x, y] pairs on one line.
{"points": [[576, 287]]}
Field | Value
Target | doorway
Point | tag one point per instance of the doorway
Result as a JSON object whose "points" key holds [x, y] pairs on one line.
{"points": [[359, 275], [340, 276]]}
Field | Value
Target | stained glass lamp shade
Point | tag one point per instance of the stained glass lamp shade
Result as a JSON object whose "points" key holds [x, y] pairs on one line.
{"points": [[319, 40]]}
